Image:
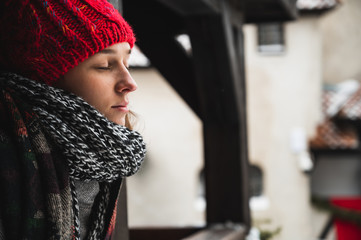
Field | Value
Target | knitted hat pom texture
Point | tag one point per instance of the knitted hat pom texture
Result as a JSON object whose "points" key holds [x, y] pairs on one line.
{"points": [[43, 39]]}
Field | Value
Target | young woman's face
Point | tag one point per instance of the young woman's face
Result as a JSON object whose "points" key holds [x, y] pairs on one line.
{"points": [[103, 80]]}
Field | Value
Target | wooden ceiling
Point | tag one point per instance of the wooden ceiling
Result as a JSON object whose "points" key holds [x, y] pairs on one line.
{"points": [[254, 11], [257, 11]]}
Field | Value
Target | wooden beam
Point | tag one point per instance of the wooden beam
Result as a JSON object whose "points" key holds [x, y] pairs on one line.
{"points": [[174, 64], [219, 60], [215, 232], [258, 11], [290, 7], [156, 31], [164, 233], [236, 17], [152, 17], [192, 7]]}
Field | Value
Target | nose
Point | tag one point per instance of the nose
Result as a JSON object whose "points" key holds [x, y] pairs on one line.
{"points": [[126, 83]]}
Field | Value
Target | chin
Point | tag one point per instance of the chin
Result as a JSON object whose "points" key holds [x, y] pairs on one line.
{"points": [[120, 121]]}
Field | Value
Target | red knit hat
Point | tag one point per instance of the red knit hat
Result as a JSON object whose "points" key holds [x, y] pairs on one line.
{"points": [[43, 39]]}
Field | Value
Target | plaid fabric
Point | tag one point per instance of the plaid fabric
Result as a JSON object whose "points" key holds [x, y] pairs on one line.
{"points": [[36, 199], [34, 179]]}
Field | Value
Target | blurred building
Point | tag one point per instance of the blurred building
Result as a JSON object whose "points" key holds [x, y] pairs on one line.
{"points": [[285, 95], [285, 86], [167, 188], [286, 66], [336, 177]]}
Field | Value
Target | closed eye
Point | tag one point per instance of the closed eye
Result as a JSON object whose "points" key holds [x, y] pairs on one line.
{"points": [[104, 68]]}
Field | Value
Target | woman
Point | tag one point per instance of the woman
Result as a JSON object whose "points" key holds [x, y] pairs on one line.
{"points": [[64, 147]]}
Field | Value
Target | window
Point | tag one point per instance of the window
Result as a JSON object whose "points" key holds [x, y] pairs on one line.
{"points": [[256, 181], [271, 38]]}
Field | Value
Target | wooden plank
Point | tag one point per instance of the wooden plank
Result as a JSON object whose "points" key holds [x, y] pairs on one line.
{"points": [[219, 60], [152, 17], [258, 11], [161, 233], [216, 232], [220, 232], [290, 7], [192, 7]]}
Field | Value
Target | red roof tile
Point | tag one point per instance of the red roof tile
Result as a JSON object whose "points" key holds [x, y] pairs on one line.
{"points": [[331, 136], [343, 105]]}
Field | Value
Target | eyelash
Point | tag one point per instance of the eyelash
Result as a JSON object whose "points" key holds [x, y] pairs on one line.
{"points": [[104, 68], [109, 68]]}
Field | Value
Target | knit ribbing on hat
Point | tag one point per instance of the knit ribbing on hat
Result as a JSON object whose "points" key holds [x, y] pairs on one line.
{"points": [[45, 38]]}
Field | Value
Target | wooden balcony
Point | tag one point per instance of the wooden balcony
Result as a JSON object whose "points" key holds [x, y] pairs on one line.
{"points": [[258, 11]]}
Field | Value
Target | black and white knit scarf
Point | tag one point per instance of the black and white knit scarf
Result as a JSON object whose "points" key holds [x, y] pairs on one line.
{"points": [[95, 148]]}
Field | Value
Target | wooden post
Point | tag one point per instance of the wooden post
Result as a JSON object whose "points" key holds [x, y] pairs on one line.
{"points": [[218, 57]]}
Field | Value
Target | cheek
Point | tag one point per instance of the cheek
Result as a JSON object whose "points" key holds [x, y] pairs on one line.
{"points": [[82, 85], [74, 81], [96, 93], [94, 89]]}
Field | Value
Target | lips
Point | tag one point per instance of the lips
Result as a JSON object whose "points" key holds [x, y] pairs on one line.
{"points": [[121, 107]]}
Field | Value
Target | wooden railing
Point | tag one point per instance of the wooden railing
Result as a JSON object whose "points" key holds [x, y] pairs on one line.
{"points": [[215, 232]]}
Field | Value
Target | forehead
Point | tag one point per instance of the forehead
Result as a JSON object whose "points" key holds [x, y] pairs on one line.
{"points": [[120, 51], [118, 48]]}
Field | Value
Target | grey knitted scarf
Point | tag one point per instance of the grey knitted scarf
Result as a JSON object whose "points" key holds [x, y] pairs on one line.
{"points": [[96, 148]]}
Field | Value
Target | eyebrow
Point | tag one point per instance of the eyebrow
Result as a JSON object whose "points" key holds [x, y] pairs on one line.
{"points": [[111, 51], [107, 51]]}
